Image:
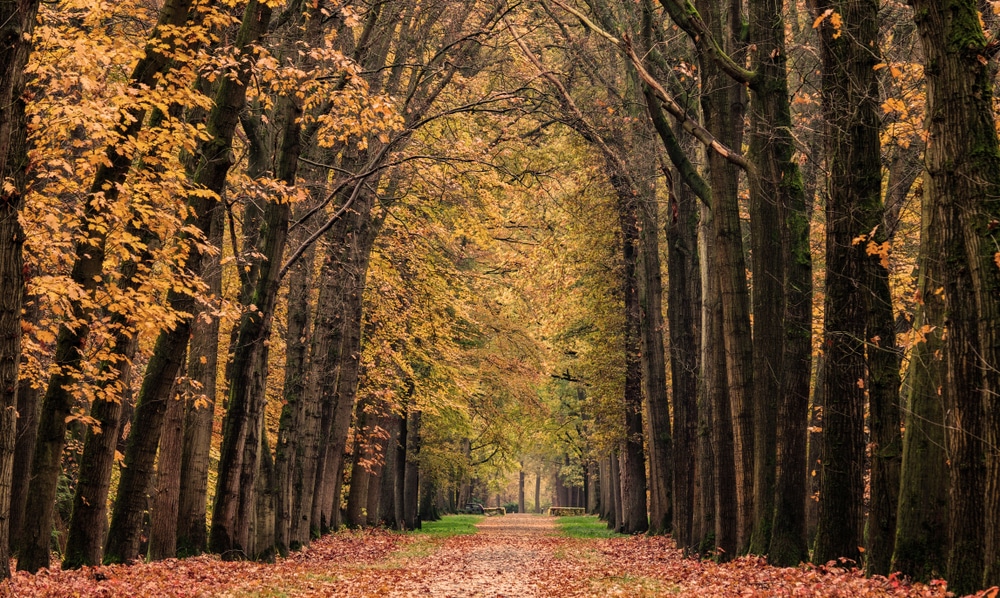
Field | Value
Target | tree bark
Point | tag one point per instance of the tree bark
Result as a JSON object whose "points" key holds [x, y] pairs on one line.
{"points": [[17, 21], [683, 299], [854, 188], [723, 105], [166, 494], [199, 415], [923, 516], [963, 167], [654, 372], [240, 459], [411, 480], [782, 335]]}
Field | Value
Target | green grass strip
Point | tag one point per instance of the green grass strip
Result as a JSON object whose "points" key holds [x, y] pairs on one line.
{"points": [[450, 525], [585, 526]]}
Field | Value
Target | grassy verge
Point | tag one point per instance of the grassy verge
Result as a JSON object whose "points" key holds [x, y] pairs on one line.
{"points": [[586, 526], [450, 525]]}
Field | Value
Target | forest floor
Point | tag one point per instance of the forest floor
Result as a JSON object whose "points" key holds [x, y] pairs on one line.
{"points": [[506, 557]]}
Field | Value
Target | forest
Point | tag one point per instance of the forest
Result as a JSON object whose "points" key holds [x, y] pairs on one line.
{"points": [[720, 270]]}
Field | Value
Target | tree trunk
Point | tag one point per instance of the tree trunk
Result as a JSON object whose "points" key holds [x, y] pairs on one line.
{"points": [[963, 182], [239, 461], [923, 516], [295, 453], [357, 494], [683, 299], [633, 460], [723, 105], [411, 481], [24, 446], [165, 502], [782, 297], [538, 491], [387, 500], [211, 171], [615, 520], [520, 490], [654, 372], [199, 415], [854, 186], [17, 21], [380, 457]]}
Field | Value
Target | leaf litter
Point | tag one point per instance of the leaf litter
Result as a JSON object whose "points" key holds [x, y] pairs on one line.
{"points": [[512, 556]]}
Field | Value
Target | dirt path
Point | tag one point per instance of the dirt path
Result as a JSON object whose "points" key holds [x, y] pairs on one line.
{"points": [[508, 557]]}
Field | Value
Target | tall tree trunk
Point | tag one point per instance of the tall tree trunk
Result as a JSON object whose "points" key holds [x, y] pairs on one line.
{"points": [[411, 481], [963, 164], [24, 446], [17, 21], [520, 490], [683, 299], [165, 501], [538, 491], [199, 415], [295, 452], [387, 499], [923, 516], [654, 372], [380, 458], [723, 106], [769, 145], [615, 520], [87, 269], [85, 538], [357, 494], [782, 296], [633, 461], [854, 186]]}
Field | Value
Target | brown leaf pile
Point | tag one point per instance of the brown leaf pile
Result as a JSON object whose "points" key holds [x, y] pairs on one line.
{"points": [[513, 558]]}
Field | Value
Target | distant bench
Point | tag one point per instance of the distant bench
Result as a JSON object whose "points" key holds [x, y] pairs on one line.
{"points": [[564, 511], [494, 511]]}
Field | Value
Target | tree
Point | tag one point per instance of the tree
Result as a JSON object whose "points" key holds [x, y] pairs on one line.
{"points": [[17, 20]]}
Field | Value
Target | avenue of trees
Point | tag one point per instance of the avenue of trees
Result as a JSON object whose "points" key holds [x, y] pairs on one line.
{"points": [[724, 270]]}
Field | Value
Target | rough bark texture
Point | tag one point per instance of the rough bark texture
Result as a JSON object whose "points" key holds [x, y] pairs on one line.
{"points": [[854, 189], [782, 298], [654, 367], [684, 298], [411, 477], [166, 493], [240, 462], [17, 21], [633, 461], [922, 519], [295, 453], [963, 183], [723, 106], [199, 415]]}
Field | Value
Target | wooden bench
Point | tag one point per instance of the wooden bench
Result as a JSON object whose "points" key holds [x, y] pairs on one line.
{"points": [[494, 511], [564, 511]]}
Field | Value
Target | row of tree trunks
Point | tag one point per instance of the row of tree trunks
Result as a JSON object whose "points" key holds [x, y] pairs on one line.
{"points": [[58, 401], [212, 165]]}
